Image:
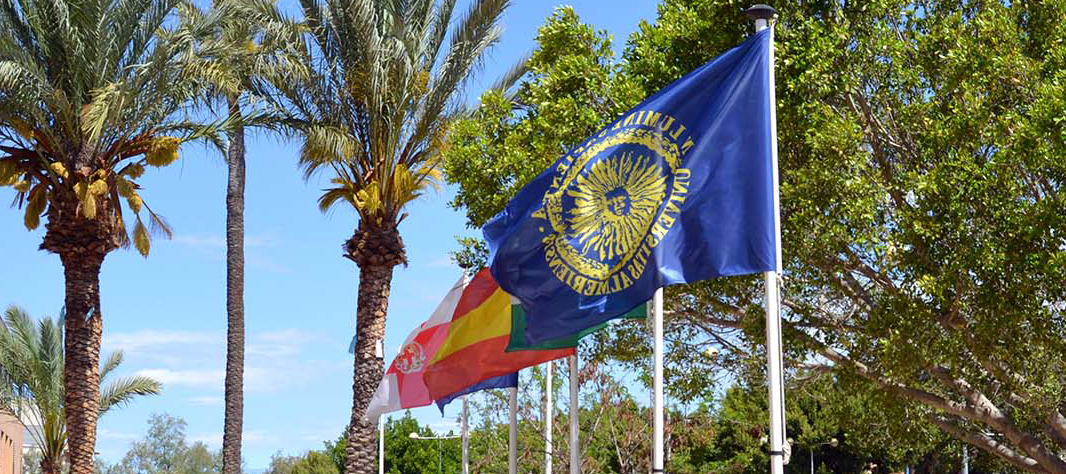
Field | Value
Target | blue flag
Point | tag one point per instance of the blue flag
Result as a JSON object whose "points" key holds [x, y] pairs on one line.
{"points": [[503, 381], [679, 189]]}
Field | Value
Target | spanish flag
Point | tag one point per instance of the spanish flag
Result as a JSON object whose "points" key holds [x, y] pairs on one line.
{"points": [[476, 346]]}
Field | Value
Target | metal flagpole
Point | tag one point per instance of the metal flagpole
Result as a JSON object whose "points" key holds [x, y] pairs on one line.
{"points": [[379, 352], [575, 411], [763, 14], [466, 438], [657, 397], [512, 438], [549, 419], [965, 460]]}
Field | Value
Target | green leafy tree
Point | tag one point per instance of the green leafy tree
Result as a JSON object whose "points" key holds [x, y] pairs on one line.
{"points": [[404, 454], [31, 371], [571, 88], [921, 164], [921, 147], [337, 451], [90, 94], [312, 462], [164, 450], [383, 91]]}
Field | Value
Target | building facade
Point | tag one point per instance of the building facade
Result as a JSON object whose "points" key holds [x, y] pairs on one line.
{"points": [[11, 437]]}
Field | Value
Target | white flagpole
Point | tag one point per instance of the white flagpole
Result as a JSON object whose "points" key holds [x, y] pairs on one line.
{"points": [[549, 419], [381, 445], [575, 411], [657, 387], [762, 14], [379, 352], [466, 437], [512, 438]]}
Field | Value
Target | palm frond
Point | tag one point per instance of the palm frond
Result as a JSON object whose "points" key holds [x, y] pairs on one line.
{"points": [[325, 145], [121, 391], [506, 83], [384, 83], [109, 365]]}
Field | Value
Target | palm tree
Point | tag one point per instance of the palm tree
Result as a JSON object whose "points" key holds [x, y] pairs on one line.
{"points": [[89, 96], [253, 45], [31, 382], [384, 88]]}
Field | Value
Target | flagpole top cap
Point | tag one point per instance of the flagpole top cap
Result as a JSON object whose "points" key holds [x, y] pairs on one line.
{"points": [[761, 11]]}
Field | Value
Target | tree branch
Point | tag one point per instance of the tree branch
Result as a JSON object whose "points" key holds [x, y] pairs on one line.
{"points": [[986, 442], [987, 412]]}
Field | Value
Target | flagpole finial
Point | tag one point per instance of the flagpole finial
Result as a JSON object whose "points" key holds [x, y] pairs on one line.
{"points": [[761, 11]]}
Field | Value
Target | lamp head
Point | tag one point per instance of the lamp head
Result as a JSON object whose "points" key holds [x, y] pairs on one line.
{"points": [[413, 436], [834, 442], [760, 11]]}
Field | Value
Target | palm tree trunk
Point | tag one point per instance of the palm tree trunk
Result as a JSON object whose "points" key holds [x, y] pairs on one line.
{"points": [[376, 250], [50, 466], [81, 376], [234, 418]]}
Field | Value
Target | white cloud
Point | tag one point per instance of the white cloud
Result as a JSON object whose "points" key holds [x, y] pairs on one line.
{"points": [[441, 262], [151, 341], [202, 241], [261, 240], [212, 440], [274, 360], [104, 433], [214, 246], [188, 378], [275, 344], [256, 436], [207, 400], [216, 241]]}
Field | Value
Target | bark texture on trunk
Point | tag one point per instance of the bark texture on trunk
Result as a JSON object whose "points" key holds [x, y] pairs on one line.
{"points": [[234, 417], [82, 244], [81, 375], [49, 467], [376, 250]]}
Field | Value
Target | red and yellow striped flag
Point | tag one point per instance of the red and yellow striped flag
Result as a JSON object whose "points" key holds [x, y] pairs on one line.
{"points": [[475, 348]]}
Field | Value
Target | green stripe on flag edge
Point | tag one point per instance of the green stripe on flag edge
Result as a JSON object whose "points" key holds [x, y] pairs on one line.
{"points": [[518, 328]]}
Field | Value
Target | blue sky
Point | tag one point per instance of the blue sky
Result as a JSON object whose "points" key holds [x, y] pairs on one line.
{"points": [[167, 312]]}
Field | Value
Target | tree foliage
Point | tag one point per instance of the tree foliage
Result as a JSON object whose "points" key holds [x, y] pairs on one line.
{"points": [[382, 91], [31, 383], [311, 462], [573, 86], [403, 454], [164, 450], [921, 153], [88, 98]]}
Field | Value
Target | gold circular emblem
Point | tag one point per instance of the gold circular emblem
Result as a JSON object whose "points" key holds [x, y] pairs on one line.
{"points": [[610, 206], [614, 205]]}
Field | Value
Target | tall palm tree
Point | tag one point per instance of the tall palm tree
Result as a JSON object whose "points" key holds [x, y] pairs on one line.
{"points": [[89, 95], [253, 45], [31, 382], [386, 82]]}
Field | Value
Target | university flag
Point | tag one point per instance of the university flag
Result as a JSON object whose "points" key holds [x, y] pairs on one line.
{"points": [[475, 347], [678, 189]]}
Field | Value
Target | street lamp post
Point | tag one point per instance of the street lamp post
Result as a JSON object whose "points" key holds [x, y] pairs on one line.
{"points": [[833, 442], [440, 449]]}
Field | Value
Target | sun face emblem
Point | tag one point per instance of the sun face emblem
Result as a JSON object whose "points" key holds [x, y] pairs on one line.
{"points": [[610, 202], [411, 358], [614, 205]]}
